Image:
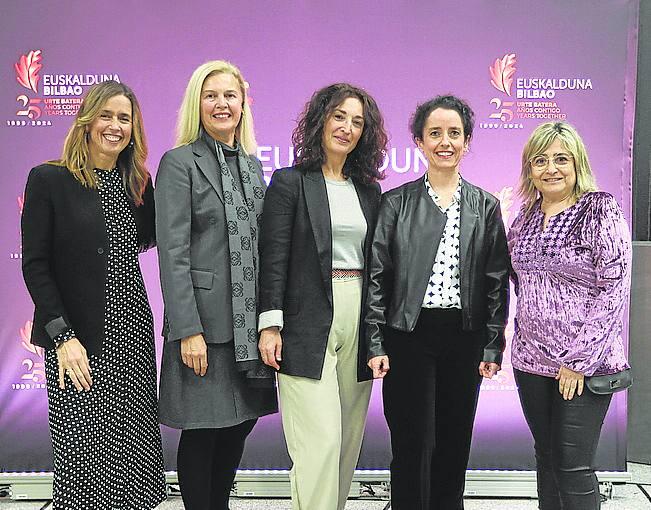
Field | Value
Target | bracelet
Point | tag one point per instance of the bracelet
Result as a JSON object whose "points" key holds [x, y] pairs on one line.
{"points": [[62, 338]]}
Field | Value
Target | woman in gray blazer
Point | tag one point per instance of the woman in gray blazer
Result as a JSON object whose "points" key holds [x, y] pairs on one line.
{"points": [[210, 191]]}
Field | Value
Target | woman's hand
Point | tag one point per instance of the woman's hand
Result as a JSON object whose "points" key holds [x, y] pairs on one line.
{"points": [[488, 369], [569, 383], [194, 353], [73, 362], [379, 365], [271, 346]]}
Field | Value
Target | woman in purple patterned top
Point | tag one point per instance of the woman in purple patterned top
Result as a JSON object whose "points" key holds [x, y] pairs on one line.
{"points": [[571, 256]]}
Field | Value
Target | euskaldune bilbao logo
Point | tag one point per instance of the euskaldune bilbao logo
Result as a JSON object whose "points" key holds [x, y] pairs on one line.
{"points": [[529, 99], [502, 73], [47, 96]]}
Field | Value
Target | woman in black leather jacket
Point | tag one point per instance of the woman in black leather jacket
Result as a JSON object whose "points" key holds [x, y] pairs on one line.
{"points": [[436, 312]]}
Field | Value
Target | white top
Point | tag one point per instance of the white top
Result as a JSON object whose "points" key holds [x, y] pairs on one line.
{"points": [[444, 286], [348, 225]]}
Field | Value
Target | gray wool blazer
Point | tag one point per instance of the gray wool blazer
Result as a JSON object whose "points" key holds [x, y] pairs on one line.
{"points": [[193, 252]]}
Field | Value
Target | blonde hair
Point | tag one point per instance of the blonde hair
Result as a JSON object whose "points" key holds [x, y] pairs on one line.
{"points": [[539, 141], [189, 119], [131, 161]]}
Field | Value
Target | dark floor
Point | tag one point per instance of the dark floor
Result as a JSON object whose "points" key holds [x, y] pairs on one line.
{"points": [[632, 496]]}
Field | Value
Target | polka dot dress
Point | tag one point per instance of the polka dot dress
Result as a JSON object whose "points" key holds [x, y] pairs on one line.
{"points": [[106, 442]]}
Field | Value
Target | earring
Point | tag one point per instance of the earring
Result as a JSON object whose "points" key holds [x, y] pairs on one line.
{"points": [[131, 144]]}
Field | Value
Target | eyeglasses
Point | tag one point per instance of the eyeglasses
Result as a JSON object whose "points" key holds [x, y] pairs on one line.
{"points": [[560, 161]]}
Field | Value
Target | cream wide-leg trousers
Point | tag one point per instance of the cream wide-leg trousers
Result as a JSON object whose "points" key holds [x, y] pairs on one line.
{"points": [[323, 420]]}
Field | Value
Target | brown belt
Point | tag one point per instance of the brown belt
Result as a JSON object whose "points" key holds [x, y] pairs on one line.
{"points": [[340, 274]]}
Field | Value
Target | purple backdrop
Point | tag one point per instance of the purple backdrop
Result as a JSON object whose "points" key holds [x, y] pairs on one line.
{"points": [[557, 59]]}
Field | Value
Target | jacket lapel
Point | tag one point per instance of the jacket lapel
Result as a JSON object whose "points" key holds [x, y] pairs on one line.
{"points": [[364, 196], [318, 209], [427, 226], [208, 165], [467, 224]]}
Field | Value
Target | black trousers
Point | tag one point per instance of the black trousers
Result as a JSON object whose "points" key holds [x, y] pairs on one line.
{"points": [[207, 460], [430, 398], [566, 435]]}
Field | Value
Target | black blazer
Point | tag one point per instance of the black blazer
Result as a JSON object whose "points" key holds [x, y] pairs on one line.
{"points": [[406, 240], [64, 254], [296, 265]]}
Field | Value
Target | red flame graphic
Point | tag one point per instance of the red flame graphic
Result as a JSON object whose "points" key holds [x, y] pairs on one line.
{"points": [[505, 196], [249, 99], [502, 72], [25, 337], [27, 69]]}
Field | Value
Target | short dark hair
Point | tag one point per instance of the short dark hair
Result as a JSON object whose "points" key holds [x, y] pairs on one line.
{"points": [[366, 159], [448, 102]]}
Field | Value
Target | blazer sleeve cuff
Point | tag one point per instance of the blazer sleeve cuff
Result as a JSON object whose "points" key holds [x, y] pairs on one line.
{"points": [[174, 335], [376, 350], [56, 327], [374, 341], [269, 319], [492, 356]]}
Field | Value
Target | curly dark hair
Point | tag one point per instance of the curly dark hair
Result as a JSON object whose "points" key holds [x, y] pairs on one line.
{"points": [[364, 162], [448, 102]]}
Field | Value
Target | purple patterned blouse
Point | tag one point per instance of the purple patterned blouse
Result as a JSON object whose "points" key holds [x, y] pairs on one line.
{"points": [[572, 281]]}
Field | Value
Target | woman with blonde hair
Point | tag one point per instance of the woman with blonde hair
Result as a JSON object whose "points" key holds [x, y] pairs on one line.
{"points": [[85, 219], [210, 191], [571, 256]]}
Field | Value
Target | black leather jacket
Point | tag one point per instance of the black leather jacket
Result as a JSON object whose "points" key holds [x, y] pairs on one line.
{"points": [[404, 247]]}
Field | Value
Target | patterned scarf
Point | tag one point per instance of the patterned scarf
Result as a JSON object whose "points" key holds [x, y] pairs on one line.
{"points": [[243, 214]]}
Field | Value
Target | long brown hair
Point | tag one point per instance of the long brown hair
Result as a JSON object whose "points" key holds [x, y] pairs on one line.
{"points": [[131, 161], [366, 159]]}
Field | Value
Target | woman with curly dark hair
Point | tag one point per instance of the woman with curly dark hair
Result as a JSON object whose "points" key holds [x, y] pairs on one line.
{"points": [[317, 224]]}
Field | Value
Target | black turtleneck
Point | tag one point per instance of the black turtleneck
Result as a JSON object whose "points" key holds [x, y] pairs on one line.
{"points": [[230, 155]]}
